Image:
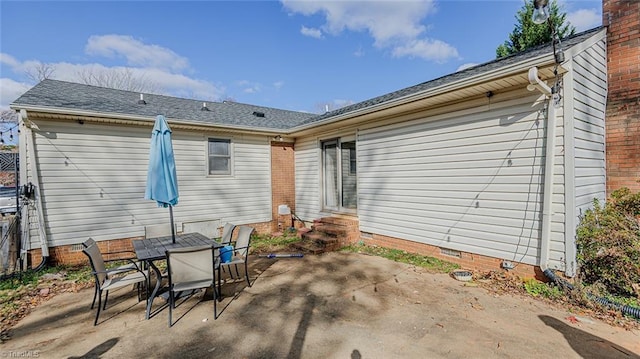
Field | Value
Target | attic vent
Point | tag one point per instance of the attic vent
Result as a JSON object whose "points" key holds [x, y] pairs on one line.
{"points": [[258, 114], [141, 101], [204, 107]]}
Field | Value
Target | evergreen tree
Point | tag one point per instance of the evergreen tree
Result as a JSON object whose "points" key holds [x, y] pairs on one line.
{"points": [[527, 34]]}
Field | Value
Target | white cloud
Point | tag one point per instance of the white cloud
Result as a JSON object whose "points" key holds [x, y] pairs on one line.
{"points": [[435, 50], [10, 90], [278, 85], [339, 103], [250, 87], [8, 60], [311, 32], [135, 52], [585, 19], [162, 79], [466, 66], [395, 25]]}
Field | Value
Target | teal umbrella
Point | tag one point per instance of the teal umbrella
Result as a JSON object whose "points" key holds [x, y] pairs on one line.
{"points": [[162, 181]]}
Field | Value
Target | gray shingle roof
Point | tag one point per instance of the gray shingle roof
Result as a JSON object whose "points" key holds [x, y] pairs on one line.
{"points": [[73, 96], [456, 76], [59, 94]]}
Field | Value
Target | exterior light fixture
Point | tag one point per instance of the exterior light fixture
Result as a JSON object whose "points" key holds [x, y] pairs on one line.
{"points": [[542, 14], [540, 11]]}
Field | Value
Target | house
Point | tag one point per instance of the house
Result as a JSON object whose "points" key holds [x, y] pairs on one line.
{"points": [[485, 167]]}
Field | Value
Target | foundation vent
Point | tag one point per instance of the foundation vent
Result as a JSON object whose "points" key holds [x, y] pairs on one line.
{"points": [[450, 252], [76, 247]]}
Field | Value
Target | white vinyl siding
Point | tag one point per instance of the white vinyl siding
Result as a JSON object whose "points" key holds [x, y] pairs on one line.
{"points": [[307, 167], [93, 179], [590, 96], [472, 183], [585, 105]]}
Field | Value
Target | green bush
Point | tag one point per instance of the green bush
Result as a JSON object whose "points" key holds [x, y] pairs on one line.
{"points": [[608, 239]]}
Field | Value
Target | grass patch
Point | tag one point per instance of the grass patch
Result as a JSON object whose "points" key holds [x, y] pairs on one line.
{"points": [[20, 293], [265, 243], [430, 263], [540, 289], [78, 274]]}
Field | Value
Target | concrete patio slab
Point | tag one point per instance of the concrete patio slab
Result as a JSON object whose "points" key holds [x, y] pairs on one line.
{"points": [[337, 305]]}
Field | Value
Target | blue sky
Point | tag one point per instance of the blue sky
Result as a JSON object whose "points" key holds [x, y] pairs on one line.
{"points": [[296, 55]]}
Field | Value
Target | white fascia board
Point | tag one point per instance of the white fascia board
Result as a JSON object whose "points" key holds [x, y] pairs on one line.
{"points": [[583, 45], [137, 120]]}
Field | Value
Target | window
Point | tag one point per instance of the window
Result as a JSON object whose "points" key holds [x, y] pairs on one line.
{"points": [[352, 161], [219, 156]]}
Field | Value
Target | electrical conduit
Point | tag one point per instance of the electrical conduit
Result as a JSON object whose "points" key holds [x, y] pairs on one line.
{"points": [[537, 84]]}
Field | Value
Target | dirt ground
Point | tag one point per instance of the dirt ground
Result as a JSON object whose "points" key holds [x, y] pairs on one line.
{"points": [[337, 305]]}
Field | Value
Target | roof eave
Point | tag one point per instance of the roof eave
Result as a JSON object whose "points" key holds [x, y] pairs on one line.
{"points": [[140, 120], [504, 71]]}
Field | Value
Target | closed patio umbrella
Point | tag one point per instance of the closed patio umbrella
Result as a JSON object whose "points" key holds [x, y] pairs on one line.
{"points": [[162, 181]]}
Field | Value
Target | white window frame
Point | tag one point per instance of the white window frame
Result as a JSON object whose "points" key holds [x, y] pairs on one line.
{"points": [[227, 172]]}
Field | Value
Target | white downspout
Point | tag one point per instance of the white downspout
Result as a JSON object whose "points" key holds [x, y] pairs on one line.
{"points": [[537, 84], [24, 179], [36, 181]]}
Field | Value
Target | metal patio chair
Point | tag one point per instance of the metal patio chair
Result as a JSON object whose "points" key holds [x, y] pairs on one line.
{"points": [[107, 280], [227, 234], [159, 230], [190, 269], [129, 267], [241, 252]]}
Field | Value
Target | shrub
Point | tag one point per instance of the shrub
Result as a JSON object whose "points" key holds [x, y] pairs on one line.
{"points": [[608, 239], [540, 289]]}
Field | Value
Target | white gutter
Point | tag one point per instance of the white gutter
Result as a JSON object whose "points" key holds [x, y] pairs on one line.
{"points": [[25, 244], [36, 181], [547, 213], [144, 119], [452, 86]]}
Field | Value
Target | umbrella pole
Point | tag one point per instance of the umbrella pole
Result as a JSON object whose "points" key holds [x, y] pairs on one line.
{"points": [[173, 228]]}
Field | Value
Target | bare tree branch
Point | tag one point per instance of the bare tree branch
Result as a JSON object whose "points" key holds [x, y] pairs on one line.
{"points": [[121, 79], [8, 116], [40, 72]]}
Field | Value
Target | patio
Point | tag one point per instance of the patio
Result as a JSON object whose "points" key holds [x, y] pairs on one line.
{"points": [[337, 305]]}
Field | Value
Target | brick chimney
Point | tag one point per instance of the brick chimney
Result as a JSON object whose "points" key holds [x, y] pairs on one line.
{"points": [[622, 18]]}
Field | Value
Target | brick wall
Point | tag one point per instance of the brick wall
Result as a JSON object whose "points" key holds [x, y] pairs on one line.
{"points": [[467, 260], [70, 256], [282, 180], [622, 18]]}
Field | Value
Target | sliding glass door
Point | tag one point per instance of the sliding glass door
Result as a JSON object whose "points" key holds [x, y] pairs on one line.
{"points": [[339, 170]]}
